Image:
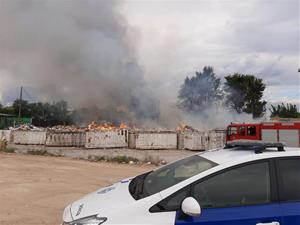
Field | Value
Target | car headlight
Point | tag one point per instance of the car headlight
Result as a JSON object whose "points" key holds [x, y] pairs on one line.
{"points": [[91, 220]]}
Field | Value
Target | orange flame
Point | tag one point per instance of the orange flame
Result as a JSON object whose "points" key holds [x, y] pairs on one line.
{"points": [[105, 126]]}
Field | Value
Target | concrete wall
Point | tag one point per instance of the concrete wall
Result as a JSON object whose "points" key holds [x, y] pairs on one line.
{"points": [[200, 140], [155, 140], [216, 139], [29, 137], [6, 135], [193, 140], [107, 139], [66, 139]]}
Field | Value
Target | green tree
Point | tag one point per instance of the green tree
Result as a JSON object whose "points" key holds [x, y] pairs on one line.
{"points": [[245, 94], [285, 111], [25, 108], [200, 91]]}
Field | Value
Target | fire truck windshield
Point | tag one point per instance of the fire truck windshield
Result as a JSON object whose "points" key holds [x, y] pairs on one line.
{"points": [[231, 130]]}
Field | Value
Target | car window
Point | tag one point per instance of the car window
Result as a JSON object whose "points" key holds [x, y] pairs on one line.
{"points": [[245, 185], [290, 179], [173, 202], [174, 173]]}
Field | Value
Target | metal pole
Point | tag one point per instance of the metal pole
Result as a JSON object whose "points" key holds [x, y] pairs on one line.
{"points": [[20, 102]]}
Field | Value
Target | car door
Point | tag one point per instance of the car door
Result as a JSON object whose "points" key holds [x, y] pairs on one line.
{"points": [[241, 195], [289, 189]]}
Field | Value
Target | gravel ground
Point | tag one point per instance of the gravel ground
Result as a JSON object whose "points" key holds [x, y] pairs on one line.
{"points": [[35, 189]]}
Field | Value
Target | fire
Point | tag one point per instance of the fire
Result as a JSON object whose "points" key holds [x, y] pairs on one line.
{"points": [[184, 127], [105, 126], [123, 126], [181, 127]]}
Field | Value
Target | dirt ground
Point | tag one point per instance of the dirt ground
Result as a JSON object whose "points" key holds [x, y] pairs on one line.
{"points": [[35, 189]]}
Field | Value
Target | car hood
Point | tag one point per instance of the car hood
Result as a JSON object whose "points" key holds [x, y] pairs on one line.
{"points": [[101, 202]]}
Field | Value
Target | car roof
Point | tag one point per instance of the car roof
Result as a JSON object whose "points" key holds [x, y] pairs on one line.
{"points": [[221, 156]]}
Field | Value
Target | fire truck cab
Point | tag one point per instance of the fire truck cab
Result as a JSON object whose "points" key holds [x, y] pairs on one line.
{"points": [[286, 132]]}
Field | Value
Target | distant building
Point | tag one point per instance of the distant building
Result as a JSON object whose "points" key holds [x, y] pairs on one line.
{"points": [[8, 120]]}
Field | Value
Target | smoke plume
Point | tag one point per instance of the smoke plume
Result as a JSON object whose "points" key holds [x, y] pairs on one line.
{"points": [[84, 52], [80, 51]]}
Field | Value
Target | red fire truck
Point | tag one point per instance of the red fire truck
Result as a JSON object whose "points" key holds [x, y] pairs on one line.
{"points": [[286, 132]]}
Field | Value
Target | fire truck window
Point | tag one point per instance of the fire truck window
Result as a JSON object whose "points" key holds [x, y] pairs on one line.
{"points": [[232, 130], [242, 131], [251, 131]]}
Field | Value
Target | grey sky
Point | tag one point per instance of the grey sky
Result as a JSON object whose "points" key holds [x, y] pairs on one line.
{"points": [[258, 37], [171, 39]]}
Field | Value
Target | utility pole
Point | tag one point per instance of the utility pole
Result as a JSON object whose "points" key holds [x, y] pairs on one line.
{"points": [[20, 101]]}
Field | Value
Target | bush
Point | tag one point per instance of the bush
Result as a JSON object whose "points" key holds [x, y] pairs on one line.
{"points": [[3, 147], [123, 159], [117, 159], [42, 153]]}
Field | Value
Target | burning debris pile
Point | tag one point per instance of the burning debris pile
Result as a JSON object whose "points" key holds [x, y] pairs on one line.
{"points": [[94, 126], [108, 135], [184, 127]]}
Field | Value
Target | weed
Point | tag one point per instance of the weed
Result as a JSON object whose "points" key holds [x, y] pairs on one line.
{"points": [[42, 153], [117, 159], [123, 159], [7, 150]]}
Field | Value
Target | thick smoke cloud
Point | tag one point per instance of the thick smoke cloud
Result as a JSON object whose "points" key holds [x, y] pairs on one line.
{"points": [[79, 51]]}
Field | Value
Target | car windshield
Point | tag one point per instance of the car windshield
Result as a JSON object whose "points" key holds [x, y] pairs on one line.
{"points": [[155, 181]]}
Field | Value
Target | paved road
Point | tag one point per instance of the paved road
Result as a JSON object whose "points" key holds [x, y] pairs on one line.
{"points": [[35, 189]]}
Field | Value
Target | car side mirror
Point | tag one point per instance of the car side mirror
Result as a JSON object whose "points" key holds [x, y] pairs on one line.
{"points": [[191, 207]]}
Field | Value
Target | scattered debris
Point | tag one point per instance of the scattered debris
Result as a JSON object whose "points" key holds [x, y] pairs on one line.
{"points": [[61, 128], [25, 127]]}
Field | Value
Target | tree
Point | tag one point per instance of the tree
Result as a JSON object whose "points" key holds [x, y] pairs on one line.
{"points": [[25, 108], [42, 114], [200, 91], [244, 94], [285, 111]]}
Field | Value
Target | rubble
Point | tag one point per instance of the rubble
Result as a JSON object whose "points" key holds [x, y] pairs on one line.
{"points": [[61, 128], [26, 127]]}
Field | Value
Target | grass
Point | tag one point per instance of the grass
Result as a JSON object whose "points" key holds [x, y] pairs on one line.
{"points": [[4, 148], [123, 159], [117, 159], [7, 150], [94, 158], [42, 153]]}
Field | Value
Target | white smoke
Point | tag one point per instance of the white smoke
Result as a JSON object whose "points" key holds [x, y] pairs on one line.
{"points": [[79, 51]]}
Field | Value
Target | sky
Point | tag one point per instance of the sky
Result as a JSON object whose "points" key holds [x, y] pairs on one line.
{"points": [[173, 39], [258, 37]]}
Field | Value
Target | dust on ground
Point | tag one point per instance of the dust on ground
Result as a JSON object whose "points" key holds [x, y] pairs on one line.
{"points": [[34, 190]]}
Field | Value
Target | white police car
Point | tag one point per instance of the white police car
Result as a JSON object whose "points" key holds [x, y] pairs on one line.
{"points": [[219, 187]]}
